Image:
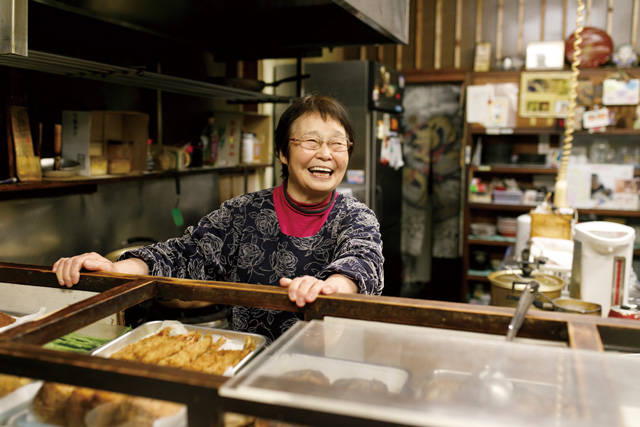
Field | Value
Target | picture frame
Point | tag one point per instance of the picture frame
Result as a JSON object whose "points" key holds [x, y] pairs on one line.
{"points": [[482, 59], [544, 94], [545, 55]]}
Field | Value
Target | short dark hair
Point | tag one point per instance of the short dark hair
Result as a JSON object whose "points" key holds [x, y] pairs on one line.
{"points": [[326, 106]]}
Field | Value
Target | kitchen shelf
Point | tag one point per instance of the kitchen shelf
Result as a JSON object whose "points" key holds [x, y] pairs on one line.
{"points": [[83, 185], [138, 77], [486, 242], [513, 169]]}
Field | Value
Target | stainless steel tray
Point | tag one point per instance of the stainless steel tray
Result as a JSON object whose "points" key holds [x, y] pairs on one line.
{"points": [[235, 340]]}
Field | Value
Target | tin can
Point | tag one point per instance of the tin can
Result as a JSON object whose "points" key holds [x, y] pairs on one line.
{"points": [[630, 311]]}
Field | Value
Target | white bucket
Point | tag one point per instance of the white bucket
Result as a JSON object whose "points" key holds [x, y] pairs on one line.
{"points": [[601, 268]]}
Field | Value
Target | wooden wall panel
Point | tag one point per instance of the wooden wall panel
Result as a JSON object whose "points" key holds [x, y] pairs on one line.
{"points": [[448, 33], [558, 23]]}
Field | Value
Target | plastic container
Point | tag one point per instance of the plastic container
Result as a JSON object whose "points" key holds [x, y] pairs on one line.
{"points": [[507, 197], [483, 229], [601, 268], [507, 226], [248, 142]]}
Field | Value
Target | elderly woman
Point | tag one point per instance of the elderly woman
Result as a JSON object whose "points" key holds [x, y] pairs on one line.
{"points": [[301, 235]]}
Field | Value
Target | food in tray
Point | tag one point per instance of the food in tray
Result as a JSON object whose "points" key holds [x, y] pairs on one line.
{"points": [[360, 385], [193, 351], [77, 343], [340, 385], [5, 319], [10, 383], [312, 376], [66, 405]]}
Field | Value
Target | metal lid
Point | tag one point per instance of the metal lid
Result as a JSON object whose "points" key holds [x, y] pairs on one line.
{"points": [[505, 279]]}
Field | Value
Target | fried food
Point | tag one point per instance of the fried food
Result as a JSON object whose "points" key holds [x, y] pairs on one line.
{"points": [[311, 376], [217, 362], [10, 383], [187, 355], [359, 385], [5, 320], [76, 406]]}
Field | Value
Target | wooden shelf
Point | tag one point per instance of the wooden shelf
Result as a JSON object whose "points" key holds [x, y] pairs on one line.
{"points": [[88, 184], [477, 279], [515, 131], [526, 208], [515, 169], [482, 242], [497, 207]]}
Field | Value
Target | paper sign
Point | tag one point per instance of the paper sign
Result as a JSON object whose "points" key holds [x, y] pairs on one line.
{"points": [[620, 92], [596, 118]]}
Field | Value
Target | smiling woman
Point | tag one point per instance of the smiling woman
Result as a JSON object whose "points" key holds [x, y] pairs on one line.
{"points": [[302, 235]]}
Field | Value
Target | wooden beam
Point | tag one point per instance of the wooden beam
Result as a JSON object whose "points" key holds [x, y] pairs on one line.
{"points": [[584, 336], [418, 47], [437, 48], [520, 28], [634, 23], [499, 29], [564, 19], [478, 21], [609, 28], [458, 34], [543, 12]]}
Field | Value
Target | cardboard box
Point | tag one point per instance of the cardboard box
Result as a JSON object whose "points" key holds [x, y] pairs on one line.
{"points": [[85, 135], [229, 127]]}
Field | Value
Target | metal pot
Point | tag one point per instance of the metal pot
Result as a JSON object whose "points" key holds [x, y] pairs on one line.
{"points": [[507, 285], [572, 305], [131, 243]]}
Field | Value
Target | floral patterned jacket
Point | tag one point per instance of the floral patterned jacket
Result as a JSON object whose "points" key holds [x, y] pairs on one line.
{"points": [[241, 242]]}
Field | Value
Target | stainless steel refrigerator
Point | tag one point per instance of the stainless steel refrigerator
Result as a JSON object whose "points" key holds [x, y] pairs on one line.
{"points": [[373, 95]]}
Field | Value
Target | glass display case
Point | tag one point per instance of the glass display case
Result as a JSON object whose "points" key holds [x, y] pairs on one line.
{"points": [[418, 376]]}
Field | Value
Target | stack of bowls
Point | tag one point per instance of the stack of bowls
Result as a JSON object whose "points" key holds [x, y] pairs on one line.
{"points": [[507, 226]]}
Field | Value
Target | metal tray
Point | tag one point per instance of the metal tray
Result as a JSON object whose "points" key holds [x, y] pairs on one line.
{"points": [[395, 379], [235, 340]]}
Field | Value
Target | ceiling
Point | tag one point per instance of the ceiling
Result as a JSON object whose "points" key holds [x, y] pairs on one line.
{"points": [[230, 30]]}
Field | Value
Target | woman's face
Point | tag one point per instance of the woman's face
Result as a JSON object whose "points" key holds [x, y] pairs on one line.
{"points": [[313, 175]]}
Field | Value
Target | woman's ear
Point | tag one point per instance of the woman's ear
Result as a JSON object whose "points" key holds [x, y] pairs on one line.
{"points": [[283, 158]]}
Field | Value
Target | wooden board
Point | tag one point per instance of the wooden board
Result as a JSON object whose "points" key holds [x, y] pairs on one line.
{"points": [[27, 163]]}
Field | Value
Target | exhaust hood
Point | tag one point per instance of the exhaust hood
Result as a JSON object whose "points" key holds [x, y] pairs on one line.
{"points": [[230, 29]]}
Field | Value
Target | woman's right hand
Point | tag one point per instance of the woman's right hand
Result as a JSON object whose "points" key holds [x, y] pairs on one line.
{"points": [[68, 269]]}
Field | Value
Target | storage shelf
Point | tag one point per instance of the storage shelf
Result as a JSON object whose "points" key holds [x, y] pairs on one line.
{"points": [[527, 208], [82, 185], [477, 278], [80, 68], [514, 169], [483, 242]]}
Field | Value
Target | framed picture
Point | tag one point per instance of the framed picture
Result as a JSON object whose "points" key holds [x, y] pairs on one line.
{"points": [[544, 94], [545, 56], [482, 60]]}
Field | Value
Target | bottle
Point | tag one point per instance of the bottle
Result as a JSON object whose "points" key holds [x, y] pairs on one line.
{"points": [[248, 141]]}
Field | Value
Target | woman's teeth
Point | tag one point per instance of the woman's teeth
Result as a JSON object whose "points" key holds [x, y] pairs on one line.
{"points": [[321, 171]]}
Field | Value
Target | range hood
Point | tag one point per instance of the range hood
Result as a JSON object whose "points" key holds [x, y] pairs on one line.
{"points": [[230, 29]]}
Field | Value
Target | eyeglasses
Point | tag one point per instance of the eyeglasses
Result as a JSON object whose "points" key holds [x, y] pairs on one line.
{"points": [[337, 144]]}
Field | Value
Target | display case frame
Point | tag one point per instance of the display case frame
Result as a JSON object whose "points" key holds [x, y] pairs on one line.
{"points": [[21, 352]]}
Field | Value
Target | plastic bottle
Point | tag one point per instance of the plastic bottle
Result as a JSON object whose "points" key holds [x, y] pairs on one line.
{"points": [[248, 141]]}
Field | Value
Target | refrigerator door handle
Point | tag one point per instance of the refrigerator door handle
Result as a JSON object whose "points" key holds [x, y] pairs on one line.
{"points": [[379, 203]]}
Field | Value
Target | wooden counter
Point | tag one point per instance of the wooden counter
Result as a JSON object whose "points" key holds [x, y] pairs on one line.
{"points": [[21, 354]]}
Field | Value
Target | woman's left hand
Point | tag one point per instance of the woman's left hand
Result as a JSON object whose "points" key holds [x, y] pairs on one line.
{"points": [[305, 289]]}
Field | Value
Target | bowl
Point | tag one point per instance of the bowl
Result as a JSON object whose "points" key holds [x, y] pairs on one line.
{"points": [[483, 229]]}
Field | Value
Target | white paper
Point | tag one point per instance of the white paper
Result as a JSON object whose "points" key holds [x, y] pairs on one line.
{"points": [[477, 101], [619, 92], [592, 186]]}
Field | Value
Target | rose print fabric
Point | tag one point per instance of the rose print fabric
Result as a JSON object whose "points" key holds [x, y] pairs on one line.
{"points": [[242, 242]]}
